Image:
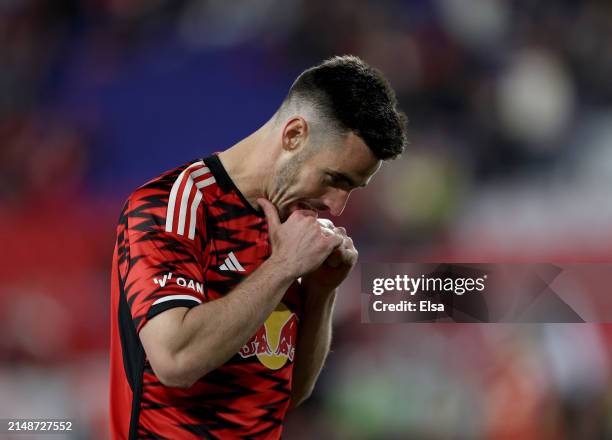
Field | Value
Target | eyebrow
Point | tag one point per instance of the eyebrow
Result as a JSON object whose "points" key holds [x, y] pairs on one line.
{"points": [[351, 182]]}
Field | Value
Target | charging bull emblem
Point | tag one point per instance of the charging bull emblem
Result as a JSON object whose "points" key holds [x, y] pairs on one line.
{"points": [[274, 342]]}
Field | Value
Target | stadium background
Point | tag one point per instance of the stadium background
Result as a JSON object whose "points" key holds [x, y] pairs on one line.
{"points": [[510, 108]]}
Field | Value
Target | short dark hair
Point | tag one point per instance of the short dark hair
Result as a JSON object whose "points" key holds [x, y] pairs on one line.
{"points": [[354, 96]]}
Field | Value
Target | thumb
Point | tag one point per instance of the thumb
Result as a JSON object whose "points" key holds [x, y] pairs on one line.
{"points": [[271, 213]]}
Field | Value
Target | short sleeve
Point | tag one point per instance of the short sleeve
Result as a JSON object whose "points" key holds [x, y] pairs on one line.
{"points": [[160, 269]]}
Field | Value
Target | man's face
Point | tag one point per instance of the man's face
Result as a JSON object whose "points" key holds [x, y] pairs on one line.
{"points": [[322, 180]]}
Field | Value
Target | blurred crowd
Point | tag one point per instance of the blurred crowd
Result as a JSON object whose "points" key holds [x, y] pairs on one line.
{"points": [[510, 157]]}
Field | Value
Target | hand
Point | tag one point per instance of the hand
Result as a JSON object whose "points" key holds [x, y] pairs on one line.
{"points": [[301, 243], [338, 264]]}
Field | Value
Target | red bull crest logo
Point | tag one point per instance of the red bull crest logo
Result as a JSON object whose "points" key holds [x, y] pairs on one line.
{"points": [[274, 342]]}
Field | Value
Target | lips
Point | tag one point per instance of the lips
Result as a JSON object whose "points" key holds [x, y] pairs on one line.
{"points": [[303, 205]]}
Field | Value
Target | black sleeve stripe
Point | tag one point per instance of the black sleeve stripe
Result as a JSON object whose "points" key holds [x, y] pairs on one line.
{"points": [[167, 305]]}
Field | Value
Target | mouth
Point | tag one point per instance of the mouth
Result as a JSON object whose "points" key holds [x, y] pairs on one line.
{"points": [[301, 205], [304, 205]]}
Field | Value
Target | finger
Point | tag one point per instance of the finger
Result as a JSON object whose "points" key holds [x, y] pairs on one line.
{"points": [[271, 213], [305, 213], [347, 248], [348, 255], [340, 230], [348, 243], [335, 240], [327, 232], [325, 223], [353, 256]]}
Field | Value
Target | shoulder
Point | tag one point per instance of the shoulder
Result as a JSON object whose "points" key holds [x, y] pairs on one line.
{"points": [[172, 200], [161, 186]]}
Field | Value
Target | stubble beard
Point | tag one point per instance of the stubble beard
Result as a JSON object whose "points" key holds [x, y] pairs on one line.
{"points": [[283, 180]]}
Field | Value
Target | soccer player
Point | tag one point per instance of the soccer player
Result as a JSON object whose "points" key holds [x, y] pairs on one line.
{"points": [[224, 279]]}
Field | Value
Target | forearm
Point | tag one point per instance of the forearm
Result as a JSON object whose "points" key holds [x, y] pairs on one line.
{"points": [[313, 343], [211, 333], [183, 344]]}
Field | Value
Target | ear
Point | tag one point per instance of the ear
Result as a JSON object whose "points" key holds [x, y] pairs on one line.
{"points": [[295, 134]]}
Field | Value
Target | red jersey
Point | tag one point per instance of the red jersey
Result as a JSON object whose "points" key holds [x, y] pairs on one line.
{"points": [[185, 238]]}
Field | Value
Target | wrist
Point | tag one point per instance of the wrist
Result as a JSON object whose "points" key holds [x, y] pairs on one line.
{"points": [[280, 267], [310, 283], [316, 296]]}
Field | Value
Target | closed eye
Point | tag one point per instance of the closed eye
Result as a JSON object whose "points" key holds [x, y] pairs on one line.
{"points": [[336, 181], [340, 180]]}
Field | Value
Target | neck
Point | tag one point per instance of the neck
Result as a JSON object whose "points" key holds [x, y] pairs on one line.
{"points": [[248, 163]]}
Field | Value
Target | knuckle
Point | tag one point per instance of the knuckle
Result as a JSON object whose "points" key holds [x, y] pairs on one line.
{"points": [[328, 240]]}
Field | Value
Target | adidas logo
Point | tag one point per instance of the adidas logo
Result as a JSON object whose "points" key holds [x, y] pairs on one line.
{"points": [[231, 263]]}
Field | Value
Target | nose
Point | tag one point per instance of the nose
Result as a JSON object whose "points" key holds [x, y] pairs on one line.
{"points": [[336, 201]]}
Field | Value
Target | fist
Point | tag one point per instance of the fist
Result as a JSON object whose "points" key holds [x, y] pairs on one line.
{"points": [[301, 243], [335, 258], [338, 264]]}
